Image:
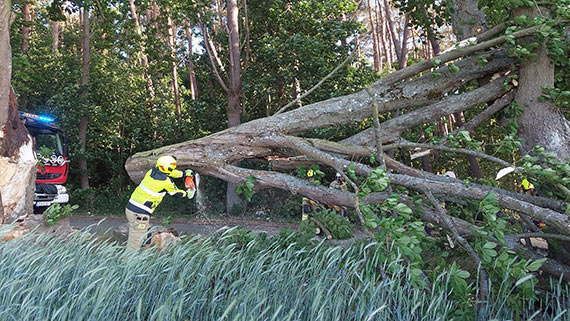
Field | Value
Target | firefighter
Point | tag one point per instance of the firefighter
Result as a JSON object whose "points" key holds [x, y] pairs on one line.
{"points": [[154, 186]]}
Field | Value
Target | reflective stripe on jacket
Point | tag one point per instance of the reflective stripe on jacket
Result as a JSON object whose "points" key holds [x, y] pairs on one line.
{"points": [[152, 189]]}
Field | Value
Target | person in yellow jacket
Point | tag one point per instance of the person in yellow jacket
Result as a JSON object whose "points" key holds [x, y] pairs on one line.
{"points": [[154, 186]]}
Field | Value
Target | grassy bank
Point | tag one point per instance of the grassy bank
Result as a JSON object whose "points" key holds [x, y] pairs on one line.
{"points": [[229, 277]]}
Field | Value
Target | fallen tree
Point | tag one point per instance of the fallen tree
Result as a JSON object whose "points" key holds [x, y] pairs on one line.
{"points": [[421, 97]]}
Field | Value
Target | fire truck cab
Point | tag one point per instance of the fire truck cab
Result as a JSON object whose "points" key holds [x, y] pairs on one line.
{"points": [[54, 169]]}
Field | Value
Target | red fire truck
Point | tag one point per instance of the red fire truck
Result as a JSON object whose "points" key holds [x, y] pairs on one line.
{"points": [[53, 173]]}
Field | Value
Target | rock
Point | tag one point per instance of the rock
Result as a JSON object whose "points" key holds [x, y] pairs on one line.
{"points": [[163, 240], [13, 233]]}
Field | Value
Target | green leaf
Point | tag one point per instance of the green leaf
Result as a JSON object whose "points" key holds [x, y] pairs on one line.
{"points": [[524, 279], [490, 252], [463, 274], [370, 224], [535, 265], [453, 68], [403, 210], [490, 245], [351, 172]]}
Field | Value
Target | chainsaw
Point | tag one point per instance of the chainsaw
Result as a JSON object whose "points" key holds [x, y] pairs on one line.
{"points": [[189, 183]]}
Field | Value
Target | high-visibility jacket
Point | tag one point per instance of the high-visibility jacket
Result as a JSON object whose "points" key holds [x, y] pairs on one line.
{"points": [[152, 189]]}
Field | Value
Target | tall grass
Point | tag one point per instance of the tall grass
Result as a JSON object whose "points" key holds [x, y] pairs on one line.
{"points": [[79, 278]]}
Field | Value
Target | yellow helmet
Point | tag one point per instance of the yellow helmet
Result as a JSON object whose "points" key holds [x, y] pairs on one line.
{"points": [[166, 164]]}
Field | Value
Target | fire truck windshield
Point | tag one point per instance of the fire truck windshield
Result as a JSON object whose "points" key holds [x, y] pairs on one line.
{"points": [[53, 141]]}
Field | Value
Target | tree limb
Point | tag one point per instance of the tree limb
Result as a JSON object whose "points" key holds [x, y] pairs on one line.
{"points": [[212, 54], [392, 128], [483, 281], [559, 220], [377, 134], [406, 144], [452, 55]]}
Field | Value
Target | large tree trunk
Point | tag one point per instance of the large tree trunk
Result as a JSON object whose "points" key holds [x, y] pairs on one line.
{"points": [[191, 74], [27, 26], [234, 104], [17, 157], [374, 39], [541, 123], [17, 165], [144, 61], [467, 20], [403, 57], [172, 33], [395, 41], [5, 59], [84, 119], [209, 155]]}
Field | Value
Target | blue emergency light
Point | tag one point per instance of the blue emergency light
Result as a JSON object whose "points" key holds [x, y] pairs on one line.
{"points": [[41, 118], [45, 118]]}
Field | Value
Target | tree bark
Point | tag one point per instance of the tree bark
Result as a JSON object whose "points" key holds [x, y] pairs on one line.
{"points": [[374, 39], [467, 20], [84, 119], [541, 123], [144, 60], [17, 157], [172, 32], [395, 40], [5, 59], [234, 86], [27, 26], [381, 31], [403, 57], [191, 74]]}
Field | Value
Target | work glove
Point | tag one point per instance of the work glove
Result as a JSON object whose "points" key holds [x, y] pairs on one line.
{"points": [[188, 172], [176, 174], [190, 193]]}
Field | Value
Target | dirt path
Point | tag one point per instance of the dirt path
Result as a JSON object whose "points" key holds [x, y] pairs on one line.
{"points": [[114, 227]]}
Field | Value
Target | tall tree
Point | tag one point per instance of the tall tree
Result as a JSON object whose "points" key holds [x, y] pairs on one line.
{"points": [[191, 73], [84, 119], [5, 59], [375, 44], [235, 84], [27, 25], [172, 35], [17, 158], [541, 123]]}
